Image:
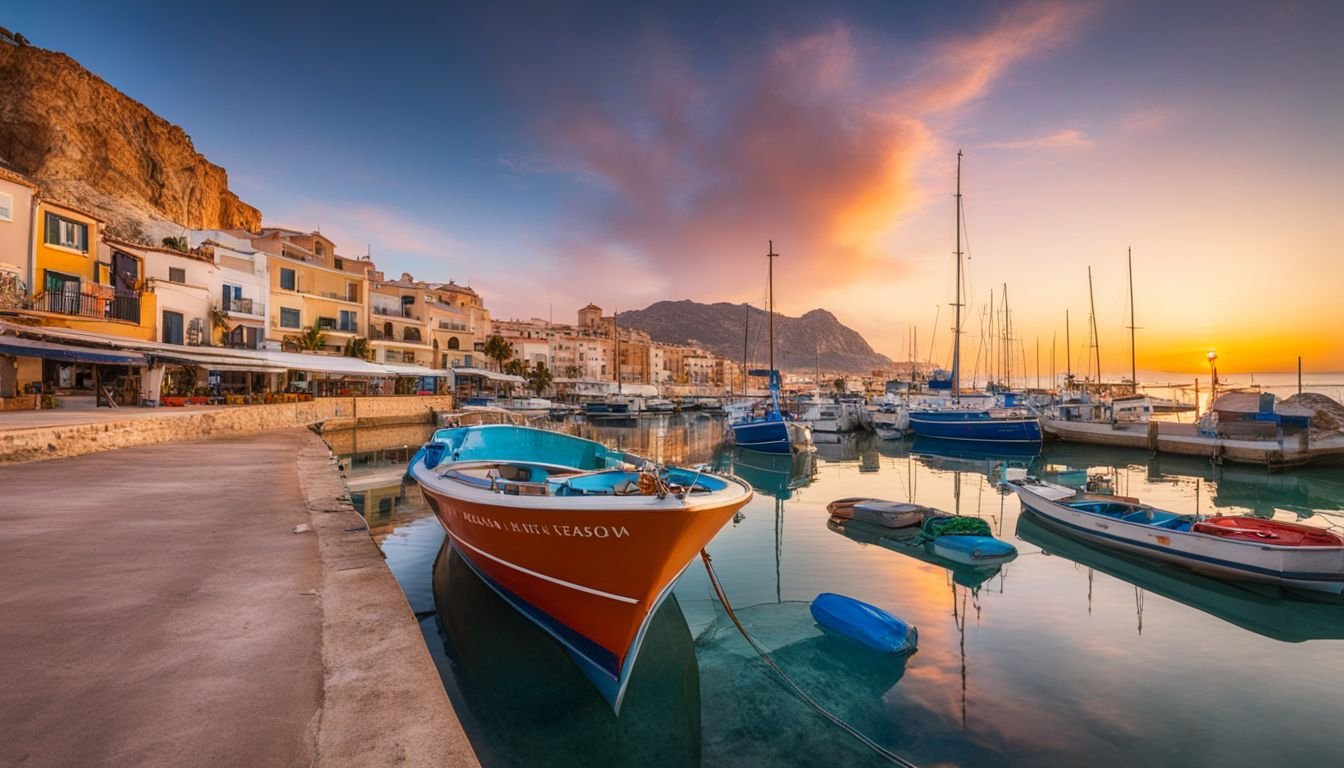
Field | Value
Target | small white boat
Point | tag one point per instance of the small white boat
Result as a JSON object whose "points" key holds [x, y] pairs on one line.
{"points": [[888, 514], [1231, 547]]}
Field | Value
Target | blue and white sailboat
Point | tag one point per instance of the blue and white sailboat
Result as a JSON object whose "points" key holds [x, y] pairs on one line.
{"points": [[957, 421], [775, 431]]}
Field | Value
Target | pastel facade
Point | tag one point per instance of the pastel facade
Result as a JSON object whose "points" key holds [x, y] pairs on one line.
{"points": [[18, 208], [310, 286], [78, 285], [239, 285]]}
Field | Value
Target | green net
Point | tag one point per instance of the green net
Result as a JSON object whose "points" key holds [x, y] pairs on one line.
{"points": [[956, 526]]}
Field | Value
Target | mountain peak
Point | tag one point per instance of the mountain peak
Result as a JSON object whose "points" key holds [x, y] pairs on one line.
{"points": [[801, 343]]}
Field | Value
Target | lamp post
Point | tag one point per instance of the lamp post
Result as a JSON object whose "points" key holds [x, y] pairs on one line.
{"points": [[1213, 375]]}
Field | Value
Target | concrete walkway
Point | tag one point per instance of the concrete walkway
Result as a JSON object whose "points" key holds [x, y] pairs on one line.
{"points": [[75, 411], [158, 610]]}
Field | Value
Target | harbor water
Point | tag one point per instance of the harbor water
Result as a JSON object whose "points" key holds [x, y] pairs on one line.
{"points": [[1069, 654]]}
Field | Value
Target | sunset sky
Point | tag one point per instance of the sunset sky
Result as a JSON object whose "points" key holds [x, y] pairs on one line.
{"points": [[623, 154]]}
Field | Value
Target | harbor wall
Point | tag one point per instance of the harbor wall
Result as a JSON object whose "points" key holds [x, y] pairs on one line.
{"points": [[138, 428]]}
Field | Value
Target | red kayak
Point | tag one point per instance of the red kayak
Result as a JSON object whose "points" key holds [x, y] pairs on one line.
{"points": [[1268, 531]]}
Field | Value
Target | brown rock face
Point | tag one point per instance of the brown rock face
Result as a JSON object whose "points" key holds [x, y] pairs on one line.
{"points": [[88, 144]]}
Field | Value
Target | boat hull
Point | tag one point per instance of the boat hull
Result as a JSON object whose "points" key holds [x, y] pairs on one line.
{"points": [[770, 436], [1313, 568], [591, 577], [978, 426], [1124, 435]]}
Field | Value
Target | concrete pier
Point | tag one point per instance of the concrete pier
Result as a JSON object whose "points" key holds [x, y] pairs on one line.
{"points": [[159, 610]]}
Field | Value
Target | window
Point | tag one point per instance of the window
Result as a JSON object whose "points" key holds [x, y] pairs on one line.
{"points": [[177, 275], [287, 281], [349, 321], [172, 327], [6, 206], [318, 248], [232, 296], [289, 318], [67, 233], [453, 343], [340, 264], [352, 291], [326, 323]]}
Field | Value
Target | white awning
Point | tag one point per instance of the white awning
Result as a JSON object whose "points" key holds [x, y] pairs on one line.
{"points": [[222, 361], [492, 375], [413, 370]]}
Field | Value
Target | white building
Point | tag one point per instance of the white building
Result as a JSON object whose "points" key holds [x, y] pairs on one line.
{"points": [[239, 285]]}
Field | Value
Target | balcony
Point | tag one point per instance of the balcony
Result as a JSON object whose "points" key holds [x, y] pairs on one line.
{"points": [[445, 325], [408, 335], [123, 308], [403, 312], [241, 306]]}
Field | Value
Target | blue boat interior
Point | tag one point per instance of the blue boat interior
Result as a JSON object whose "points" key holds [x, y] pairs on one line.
{"points": [[1134, 513], [522, 460]]}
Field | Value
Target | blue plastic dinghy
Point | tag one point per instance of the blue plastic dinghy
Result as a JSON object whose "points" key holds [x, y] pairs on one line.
{"points": [[866, 625], [974, 550]]}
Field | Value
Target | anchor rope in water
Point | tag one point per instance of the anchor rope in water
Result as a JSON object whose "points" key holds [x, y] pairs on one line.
{"points": [[851, 730]]}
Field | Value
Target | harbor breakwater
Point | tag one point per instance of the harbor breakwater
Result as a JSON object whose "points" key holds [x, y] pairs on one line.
{"points": [[139, 428]]}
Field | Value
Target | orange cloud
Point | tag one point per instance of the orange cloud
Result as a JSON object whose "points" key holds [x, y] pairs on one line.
{"points": [[814, 143]]}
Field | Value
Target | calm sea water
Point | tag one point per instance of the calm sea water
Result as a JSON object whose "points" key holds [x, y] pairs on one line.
{"points": [[1068, 655]]}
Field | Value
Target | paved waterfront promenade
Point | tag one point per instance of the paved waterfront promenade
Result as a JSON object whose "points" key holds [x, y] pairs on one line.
{"points": [[159, 610]]}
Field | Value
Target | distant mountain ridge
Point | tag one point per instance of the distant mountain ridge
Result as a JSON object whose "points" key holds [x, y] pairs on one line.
{"points": [[800, 342]]}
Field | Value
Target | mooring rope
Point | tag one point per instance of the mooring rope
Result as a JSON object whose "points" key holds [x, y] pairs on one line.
{"points": [[856, 733]]}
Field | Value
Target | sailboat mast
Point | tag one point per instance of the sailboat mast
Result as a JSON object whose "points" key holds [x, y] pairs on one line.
{"points": [[1096, 337], [1133, 368], [1007, 341], [1068, 351], [770, 286], [956, 337], [746, 332]]}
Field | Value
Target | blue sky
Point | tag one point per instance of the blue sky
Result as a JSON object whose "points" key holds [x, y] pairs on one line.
{"points": [[622, 153]]}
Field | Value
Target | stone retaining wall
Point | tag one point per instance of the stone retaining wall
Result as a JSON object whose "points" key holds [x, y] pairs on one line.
{"points": [[39, 443]]}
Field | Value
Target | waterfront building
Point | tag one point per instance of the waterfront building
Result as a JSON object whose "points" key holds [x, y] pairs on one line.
{"points": [[239, 285], [311, 287], [459, 324], [18, 207], [181, 283], [399, 330]]}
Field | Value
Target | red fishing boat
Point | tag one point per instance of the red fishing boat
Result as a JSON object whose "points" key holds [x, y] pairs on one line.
{"points": [[583, 540]]}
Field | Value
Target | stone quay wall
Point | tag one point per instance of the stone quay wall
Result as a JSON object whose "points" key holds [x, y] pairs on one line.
{"points": [[39, 443]]}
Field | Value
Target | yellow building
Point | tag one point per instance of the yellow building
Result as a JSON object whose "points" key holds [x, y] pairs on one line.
{"points": [[312, 287], [399, 331], [73, 288]]}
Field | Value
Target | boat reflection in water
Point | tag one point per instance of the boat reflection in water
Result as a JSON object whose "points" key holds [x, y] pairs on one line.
{"points": [[751, 719], [910, 543], [530, 705], [1261, 609], [773, 474], [1231, 486]]}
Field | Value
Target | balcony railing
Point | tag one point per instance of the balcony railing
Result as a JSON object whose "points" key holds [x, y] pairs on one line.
{"points": [[409, 335], [444, 325], [394, 312], [125, 308], [242, 306]]}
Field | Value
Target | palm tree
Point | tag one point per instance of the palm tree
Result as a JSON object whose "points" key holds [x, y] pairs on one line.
{"points": [[310, 340], [498, 349], [539, 378], [219, 322], [358, 347], [572, 371], [516, 367]]}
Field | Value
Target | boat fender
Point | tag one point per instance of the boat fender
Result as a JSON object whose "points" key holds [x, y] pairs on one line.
{"points": [[433, 453], [865, 624]]}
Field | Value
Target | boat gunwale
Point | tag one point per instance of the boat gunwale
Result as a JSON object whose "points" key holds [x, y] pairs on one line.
{"points": [[1146, 527]]}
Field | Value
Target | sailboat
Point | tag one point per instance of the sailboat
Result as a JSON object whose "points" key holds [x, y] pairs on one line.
{"points": [[960, 422], [775, 431]]}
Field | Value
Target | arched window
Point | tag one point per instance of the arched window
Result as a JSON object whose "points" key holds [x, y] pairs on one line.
{"points": [[453, 343]]}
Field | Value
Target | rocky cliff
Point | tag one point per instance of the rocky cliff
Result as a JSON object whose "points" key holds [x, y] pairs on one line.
{"points": [[800, 342], [89, 145]]}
